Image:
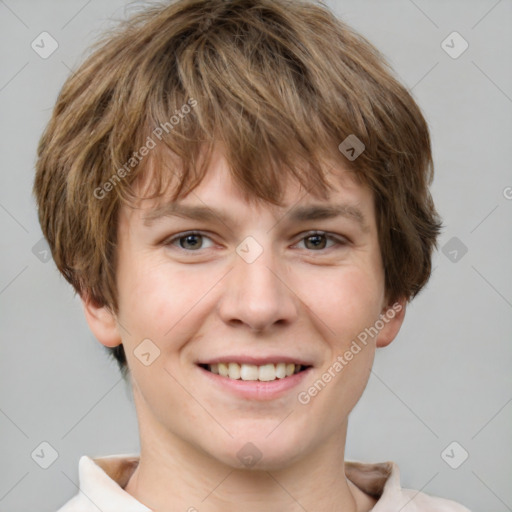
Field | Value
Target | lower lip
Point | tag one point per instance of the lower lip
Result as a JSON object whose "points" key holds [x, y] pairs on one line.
{"points": [[255, 389]]}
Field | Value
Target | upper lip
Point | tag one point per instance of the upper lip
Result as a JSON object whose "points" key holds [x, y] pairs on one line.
{"points": [[255, 360]]}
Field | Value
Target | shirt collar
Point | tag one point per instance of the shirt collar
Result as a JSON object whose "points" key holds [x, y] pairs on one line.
{"points": [[102, 481]]}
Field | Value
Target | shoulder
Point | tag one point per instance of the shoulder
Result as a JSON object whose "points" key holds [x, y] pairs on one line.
{"points": [[415, 501], [101, 485], [381, 481], [395, 498]]}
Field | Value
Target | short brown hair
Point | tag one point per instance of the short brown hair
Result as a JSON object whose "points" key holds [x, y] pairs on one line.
{"points": [[281, 83]]}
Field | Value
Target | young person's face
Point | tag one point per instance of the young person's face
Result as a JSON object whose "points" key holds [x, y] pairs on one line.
{"points": [[256, 287]]}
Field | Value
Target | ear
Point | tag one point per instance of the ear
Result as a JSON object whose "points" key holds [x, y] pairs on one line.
{"points": [[101, 321], [392, 316]]}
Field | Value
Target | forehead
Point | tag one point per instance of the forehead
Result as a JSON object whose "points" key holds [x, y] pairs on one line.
{"points": [[218, 193]]}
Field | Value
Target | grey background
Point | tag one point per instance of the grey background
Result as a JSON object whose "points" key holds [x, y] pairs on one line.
{"points": [[447, 375]]}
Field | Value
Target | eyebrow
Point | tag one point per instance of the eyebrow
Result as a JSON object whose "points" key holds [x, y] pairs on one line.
{"points": [[297, 214]]}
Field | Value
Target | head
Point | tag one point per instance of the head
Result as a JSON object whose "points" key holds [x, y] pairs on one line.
{"points": [[239, 107]]}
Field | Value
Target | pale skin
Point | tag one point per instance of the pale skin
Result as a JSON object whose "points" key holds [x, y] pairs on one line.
{"points": [[197, 299]]}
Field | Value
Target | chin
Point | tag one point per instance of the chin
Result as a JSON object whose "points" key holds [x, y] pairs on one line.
{"points": [[261, 453]]}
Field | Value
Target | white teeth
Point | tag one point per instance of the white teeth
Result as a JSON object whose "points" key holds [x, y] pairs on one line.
{"points": [[281, 370], [264, 373], [223, 369], [248, 371], [267, 372], [234, 371]]}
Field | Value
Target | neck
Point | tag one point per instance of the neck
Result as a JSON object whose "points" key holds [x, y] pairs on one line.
{"points": [[174, 474]]}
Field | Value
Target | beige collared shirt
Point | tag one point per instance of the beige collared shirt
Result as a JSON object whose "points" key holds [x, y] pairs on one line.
{"points": [[102, 481]]}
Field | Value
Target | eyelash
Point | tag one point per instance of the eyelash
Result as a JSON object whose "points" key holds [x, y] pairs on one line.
{"points": [[340, 242]]}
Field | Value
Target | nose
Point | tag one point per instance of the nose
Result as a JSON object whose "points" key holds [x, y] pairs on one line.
{"points": [[256, 293]]}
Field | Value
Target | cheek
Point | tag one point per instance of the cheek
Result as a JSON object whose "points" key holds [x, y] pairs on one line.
{"points": [[144, 302], [157, 299], [346, 301], [349, 305]]}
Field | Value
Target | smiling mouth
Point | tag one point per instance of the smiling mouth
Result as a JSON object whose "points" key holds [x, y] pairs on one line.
{"points": [[251, 372]]}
